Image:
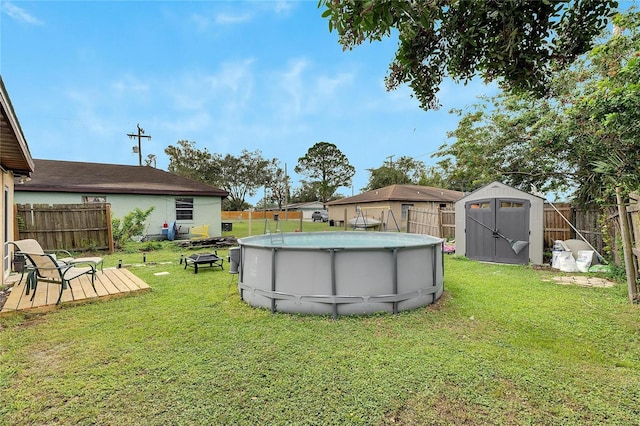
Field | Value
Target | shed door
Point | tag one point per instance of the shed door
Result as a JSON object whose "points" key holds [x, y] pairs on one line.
{"points": [[508, 217]]}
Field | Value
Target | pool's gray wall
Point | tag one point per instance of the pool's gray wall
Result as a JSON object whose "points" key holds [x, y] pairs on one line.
{"points": [[339, 281]]}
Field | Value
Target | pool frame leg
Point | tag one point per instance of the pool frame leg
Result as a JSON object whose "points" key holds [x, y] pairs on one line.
{"points": [[273, 279], [395, 278], [334, 286]]}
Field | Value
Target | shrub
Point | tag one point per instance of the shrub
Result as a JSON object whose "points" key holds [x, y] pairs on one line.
{"points": [[132, 224]]}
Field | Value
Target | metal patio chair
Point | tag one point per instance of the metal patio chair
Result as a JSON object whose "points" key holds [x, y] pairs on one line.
{"points": [[33, 246], [45, 267]]}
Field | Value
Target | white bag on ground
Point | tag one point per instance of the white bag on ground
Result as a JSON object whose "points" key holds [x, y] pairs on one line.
{"points": [[583, 262], [566, 262]]}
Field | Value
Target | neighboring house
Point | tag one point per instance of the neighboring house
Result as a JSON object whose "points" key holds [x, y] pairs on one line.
{"points": [[307, 209], [175, 198], [15, 163], [396, 199]]}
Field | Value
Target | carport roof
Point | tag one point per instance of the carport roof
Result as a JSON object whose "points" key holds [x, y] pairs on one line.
{"points": [[412, 193], [72, 176]]}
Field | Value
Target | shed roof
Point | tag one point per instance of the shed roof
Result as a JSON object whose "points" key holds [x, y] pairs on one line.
{"points": [[72, 176], [498, 189], [413, 193]]}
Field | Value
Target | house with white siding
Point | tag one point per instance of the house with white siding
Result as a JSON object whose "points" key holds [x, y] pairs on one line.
{"points": [[175, 198]]}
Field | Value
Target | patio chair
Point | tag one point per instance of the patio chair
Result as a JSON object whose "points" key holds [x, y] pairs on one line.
{"points": [[32, 246], [198, 232], [45, 267]]}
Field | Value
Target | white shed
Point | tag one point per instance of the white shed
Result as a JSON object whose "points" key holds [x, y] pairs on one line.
{"points": [[499, 223]]}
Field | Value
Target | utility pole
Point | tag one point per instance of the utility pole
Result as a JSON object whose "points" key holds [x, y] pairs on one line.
{"points": [[390, 157], [286, 193], [140, 135]]}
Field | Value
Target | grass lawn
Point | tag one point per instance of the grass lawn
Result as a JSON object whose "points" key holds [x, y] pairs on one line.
{"points": [[502, 346]]}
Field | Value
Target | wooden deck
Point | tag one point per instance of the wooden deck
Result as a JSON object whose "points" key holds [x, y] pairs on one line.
{"points": [[111, 282]]}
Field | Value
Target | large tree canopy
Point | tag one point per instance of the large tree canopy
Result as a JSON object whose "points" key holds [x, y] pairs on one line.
{"points": [[188, 161], [604, 117], [506, 138], [326, 164], [308, 191], [241, 175], [584, 139], [405, 170], [514, 42]]}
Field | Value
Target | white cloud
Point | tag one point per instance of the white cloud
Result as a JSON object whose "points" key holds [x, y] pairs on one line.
{"points": [[19, 14], [227, 18], [202, 22], [128, 85], [199, 101], [293, 87], [189, 124], [282, 7], [304, 92]]}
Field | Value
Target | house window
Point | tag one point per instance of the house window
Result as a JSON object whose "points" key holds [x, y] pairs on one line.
{"points": [[92, 199], [405, 209], [184, 208]]}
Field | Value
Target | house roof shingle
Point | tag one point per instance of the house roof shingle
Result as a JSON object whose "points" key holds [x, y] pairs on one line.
{"points": [[72, 176], [413, 193]]}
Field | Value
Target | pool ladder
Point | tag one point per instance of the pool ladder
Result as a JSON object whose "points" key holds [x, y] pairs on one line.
{"points": [[277, 237]]}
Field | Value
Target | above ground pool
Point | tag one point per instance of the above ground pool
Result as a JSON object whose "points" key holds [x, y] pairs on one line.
{"points": [[340, 273]]}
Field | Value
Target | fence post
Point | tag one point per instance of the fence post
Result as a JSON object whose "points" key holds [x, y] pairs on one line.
{"points": [[109, 228], [626, 248]]}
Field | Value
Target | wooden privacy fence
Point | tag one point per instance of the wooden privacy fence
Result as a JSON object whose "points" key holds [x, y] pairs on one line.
{"points": [[586, 223], [260, 215], [73, 227], [438, 223]]}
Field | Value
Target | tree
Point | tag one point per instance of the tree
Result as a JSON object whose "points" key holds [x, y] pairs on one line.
{"points": [[307, 192], [506, 138], [434, 177], [241, 176], [279, 187], [405, 170], [326, 164], [515, 42], [584, 139], [188, 161], [606, 113], [131, 224]]}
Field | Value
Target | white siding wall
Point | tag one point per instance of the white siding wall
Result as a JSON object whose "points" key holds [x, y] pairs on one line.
{"points": [[206, 210], [6, 216]]}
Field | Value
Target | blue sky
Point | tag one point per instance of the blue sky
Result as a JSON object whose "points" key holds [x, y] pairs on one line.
{"points": [[262, 75]]}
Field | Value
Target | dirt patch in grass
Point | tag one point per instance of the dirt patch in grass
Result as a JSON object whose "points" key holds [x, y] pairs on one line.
{"points": [[449, 406], [438, 410], [584, 281]]}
